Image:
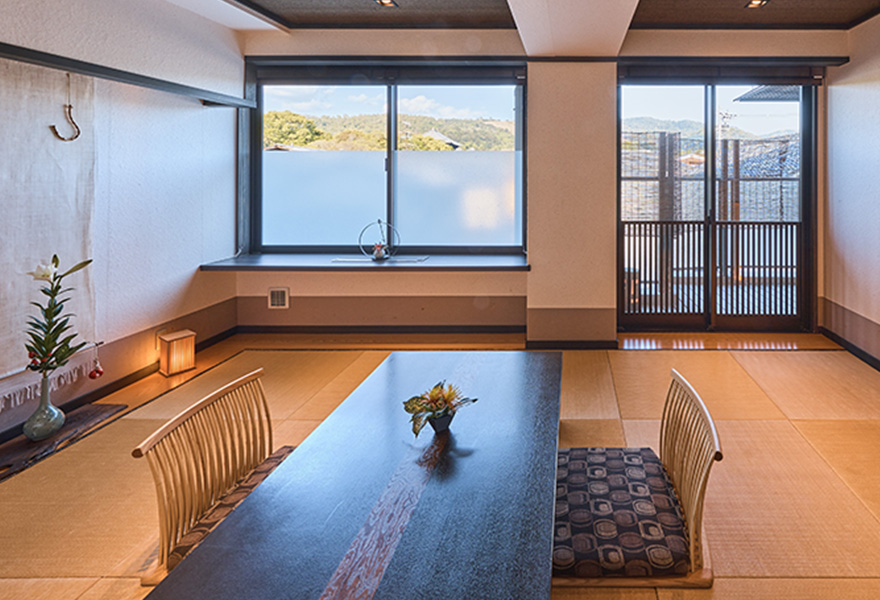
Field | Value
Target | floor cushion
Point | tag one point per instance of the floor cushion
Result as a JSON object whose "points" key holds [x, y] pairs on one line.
{"points": [[617, 515]]}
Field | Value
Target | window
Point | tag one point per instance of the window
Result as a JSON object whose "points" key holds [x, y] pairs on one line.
{"points": [[437, 155]]}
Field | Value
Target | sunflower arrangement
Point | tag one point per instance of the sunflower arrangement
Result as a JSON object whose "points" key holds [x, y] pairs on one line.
{"points": [[439, 401]]}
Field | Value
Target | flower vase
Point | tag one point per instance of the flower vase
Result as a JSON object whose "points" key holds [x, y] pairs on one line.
{"points": [[441, 424], [46, 420]]}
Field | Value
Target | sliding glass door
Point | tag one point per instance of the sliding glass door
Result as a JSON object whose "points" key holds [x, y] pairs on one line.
{"points": [[713, 239]]}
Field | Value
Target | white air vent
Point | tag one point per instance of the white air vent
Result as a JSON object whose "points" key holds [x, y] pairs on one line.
{"points": [[279, 297]]}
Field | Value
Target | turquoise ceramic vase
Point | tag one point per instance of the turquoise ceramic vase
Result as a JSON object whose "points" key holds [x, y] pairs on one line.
{"points": [[46, 420]]}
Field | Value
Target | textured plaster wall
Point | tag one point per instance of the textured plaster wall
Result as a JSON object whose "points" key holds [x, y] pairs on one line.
{"points": [[148, 37], [164, 167], [852, 214], [572, 179], [164, 204]]}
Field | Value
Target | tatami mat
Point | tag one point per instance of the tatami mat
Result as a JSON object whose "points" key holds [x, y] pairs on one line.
{"points": [[642, 378], [560, 593], [337, 389], [774, 508], [45, 589], [788, 514], [292, 432], [83, 512], [111, 588], [781, 589], [642, 434], [853, 451], [292, 378], [587, 386], [579, 433], [90, 510], [73, 588], [816, 385]]}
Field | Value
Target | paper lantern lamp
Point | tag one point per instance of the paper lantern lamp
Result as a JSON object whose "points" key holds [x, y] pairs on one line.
{"points": [[177, 352]]}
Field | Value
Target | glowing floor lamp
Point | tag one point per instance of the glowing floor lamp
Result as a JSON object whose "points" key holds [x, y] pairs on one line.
{"points": [[177, 352]]}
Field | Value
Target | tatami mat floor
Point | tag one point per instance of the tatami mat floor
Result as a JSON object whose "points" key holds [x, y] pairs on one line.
{"points": [[793, 510]]}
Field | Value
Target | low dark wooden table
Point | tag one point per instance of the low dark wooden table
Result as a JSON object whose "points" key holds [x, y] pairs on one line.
{"points": [[362, 509]]}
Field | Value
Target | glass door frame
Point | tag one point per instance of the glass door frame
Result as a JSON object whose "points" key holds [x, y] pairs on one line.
{"points": [[805, 319]]}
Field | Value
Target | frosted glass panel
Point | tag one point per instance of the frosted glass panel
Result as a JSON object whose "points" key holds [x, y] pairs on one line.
{"points": [[324, 151], [459, 198], [321, 198], [458, 166]]}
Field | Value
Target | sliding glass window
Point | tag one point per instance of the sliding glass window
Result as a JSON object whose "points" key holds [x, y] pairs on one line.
{"points": [[440, 160]]}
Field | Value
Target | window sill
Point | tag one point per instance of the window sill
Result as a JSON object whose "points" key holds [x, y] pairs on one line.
{"points": [[326, 262]]}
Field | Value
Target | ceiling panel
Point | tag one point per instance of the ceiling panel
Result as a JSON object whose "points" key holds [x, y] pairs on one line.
{"points": [[453, 14], [777, 14]]}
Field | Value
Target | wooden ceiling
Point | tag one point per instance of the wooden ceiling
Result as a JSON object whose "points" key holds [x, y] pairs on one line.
{"points": [[732, 14], [367, 14], [496, 14]]}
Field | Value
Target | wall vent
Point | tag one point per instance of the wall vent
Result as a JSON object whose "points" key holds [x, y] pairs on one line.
{"points": [[279, 297]]}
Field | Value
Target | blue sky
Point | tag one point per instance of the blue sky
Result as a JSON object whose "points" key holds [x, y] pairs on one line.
{"points": [[466, 102], [686, 102]]}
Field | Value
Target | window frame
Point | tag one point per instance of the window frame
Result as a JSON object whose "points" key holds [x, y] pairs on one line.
{"points": [[390, 73]]}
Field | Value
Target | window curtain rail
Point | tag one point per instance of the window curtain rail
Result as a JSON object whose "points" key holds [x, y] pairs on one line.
{"points": [[786, 70], [54, 61]]}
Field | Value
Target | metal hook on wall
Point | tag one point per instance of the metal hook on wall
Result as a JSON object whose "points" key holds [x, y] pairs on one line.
{"points": [[68, 112]]}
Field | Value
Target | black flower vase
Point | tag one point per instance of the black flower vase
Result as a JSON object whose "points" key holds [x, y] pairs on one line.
{"points": [[441, 424]]}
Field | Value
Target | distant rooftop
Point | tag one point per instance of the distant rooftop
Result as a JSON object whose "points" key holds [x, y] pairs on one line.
{"points": [[443, 138], [771, 93]]}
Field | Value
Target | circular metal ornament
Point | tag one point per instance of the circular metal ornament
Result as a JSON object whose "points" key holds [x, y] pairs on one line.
{"points": [[381, 249]]}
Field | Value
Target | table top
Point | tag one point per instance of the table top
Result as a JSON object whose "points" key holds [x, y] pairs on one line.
{"points": [[363, 509]]}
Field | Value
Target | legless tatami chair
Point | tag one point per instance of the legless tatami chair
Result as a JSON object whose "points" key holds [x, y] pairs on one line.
{"points": [[625, 517], [205, 461]]}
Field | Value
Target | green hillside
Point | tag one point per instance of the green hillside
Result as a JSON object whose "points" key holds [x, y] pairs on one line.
{"points": [[367, 132]]}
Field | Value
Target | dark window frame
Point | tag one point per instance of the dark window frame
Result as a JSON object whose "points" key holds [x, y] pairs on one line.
{"points": [[261, 71], [809, 129]]}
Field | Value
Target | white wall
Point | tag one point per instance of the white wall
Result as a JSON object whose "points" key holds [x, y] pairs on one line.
{"points": [[852, 218], [164, 204], [148, 37], [164, 166], [572, 185]]}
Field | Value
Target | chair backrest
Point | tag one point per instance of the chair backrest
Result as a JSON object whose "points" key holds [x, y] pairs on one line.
{"points": [[202, 453], [689, 445]]}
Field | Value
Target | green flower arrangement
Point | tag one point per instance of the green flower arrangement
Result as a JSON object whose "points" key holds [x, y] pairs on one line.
{"points": [[50, 345], [439, 401]]}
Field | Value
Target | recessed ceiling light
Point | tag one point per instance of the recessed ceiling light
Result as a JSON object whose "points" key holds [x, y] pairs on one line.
{"points": [[386, 3], [751, 4]]}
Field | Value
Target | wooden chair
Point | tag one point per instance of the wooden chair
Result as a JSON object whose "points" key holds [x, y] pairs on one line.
{"points": [[204, 461], [626, 518]]}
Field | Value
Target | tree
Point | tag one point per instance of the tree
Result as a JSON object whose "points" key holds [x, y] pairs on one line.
{"points": [[352, 139], [422, 142], [290, 129]]}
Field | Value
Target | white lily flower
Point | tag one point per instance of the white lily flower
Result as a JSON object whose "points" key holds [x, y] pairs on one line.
{"points": [[42, 272]]}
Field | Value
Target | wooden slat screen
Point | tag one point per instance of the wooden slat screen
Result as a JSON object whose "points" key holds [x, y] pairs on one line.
{"points": [[663, 267]]}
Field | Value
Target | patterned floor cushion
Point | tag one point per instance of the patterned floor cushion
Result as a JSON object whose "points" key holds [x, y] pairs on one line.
{"points": [[616, 515]]}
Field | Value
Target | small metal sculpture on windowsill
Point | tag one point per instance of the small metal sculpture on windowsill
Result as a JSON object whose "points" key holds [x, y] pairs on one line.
{"points": [[384, 248]]}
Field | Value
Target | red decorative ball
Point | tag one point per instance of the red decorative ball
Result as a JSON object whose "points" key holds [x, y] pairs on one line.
{"points": [[93, 374], [31, 354]]}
